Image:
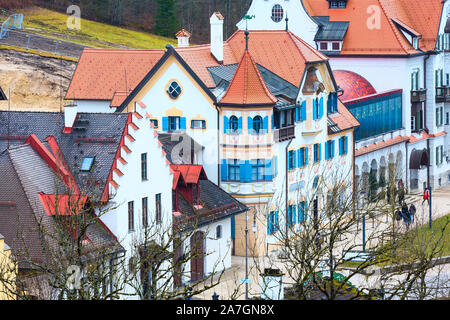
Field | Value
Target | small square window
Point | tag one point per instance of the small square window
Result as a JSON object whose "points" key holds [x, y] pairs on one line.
{"points": [[154, 122], [336, 46], [87, 164], [198, 124], [323, 45]]}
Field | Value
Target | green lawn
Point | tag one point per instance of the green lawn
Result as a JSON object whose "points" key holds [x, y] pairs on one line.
{"points": [[95, 34]]}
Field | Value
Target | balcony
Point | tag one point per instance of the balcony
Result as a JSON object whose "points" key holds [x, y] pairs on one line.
{"points": [[418, 95], [284, 134], [442, 94]]}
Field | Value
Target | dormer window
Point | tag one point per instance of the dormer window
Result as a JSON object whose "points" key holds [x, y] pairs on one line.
{"points": [[337, 4], [330, 46], [86, 166]]}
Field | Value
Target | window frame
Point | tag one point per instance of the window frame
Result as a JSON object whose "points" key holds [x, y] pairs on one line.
{"points": [[131, 216], [233, 124], [277, 10], [158, 208], [177, 123], [258, 166], [144, 167], [171, 89], [91, 165], [234, 164], [258, 126], [145, 212], [202, 122]]}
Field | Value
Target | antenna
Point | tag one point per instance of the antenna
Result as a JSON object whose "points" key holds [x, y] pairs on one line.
{"points": [[287, 21]]}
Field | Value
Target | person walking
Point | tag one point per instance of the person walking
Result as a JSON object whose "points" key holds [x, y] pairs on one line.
{"points": [[412, 212], [405, 215]]}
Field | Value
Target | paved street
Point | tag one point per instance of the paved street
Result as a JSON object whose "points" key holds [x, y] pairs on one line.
{"points": [[230, 285]]}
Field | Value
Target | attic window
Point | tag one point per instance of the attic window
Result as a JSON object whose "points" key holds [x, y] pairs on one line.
{"points": [[277, 13], [174, 90], [337, 4], [86, 166]]}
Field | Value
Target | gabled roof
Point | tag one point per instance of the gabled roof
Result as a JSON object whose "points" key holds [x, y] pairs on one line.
{"points": [[247, 86], [386, 38], [100, 73], [191, 173]]}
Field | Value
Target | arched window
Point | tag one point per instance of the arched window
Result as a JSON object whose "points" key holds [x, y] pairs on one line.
{"points": [[277, 13], [174, 90], [219, 232], [257, 124], [233, 124]]}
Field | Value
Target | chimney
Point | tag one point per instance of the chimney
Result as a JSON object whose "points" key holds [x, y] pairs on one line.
{"points": [[216, 22], [183, 38], [70, 115]]}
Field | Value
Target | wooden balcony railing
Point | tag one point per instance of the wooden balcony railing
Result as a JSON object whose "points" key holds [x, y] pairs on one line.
{"points": [[284, 134], [418, 95], [442, 94]]}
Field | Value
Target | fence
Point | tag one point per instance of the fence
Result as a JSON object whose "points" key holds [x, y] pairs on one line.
{"points": [[10, 21]]}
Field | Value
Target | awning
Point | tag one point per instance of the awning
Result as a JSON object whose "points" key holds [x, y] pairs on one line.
{"points": [[418, 159]]}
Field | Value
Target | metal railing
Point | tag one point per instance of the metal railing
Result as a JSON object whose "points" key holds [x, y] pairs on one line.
{"points": [[13, 22]]}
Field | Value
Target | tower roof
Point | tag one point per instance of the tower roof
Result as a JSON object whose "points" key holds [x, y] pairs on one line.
{"points": [[247, 86]]}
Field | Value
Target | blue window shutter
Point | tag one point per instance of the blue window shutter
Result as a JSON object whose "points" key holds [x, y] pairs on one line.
{"points": [[314, 110], [242, 168], [306, 156], [268, 174], [346, 145], [294, 214], [224, 170], [273, 122], [332, 149], [299, 159], [297, 114], [165, 124], [183, 123], [329, 103], [341, 146], [240, 125], [303, 111], [321, 108], [327, 153], [250, 125], [294, 154], [266, 124], [225, 124], [320, 151], [233, 227]]}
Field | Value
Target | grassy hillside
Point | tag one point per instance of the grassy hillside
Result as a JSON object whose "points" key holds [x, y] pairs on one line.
{"points": [[95, 34]]}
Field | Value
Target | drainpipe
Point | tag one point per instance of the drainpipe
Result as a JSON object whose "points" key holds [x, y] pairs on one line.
{"points": [[219, 180], [426, 91]]}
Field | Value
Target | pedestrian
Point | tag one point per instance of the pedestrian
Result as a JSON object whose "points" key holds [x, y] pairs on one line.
{"points": [[412, 212], [398, 215], [401, 194], [405, 215], [317, 241]]}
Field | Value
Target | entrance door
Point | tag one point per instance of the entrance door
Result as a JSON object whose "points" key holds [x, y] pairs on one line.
{"points": [[197, 260]]}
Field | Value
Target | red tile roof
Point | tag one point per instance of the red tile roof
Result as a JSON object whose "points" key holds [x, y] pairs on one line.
{"points": [[101, 73], [62, 204], [344, 119], [381, 145], [247, 85], [385, 39]]}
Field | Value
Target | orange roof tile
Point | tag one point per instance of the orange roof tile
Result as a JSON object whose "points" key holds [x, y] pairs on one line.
{"points": [[247, 85], [380, 145], [384, 39], [183, 33], [100, 73]]}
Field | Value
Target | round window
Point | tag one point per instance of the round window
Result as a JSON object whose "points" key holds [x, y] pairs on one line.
{"points": [[277, 13], [174, 90]]}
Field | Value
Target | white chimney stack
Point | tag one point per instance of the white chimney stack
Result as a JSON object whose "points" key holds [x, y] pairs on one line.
{"points": [[183, 38], [70, 114], [216, 22]]}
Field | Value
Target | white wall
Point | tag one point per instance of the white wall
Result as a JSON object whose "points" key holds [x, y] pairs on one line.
{"points": [[194, 105], [92, 106], [300, 23]]}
